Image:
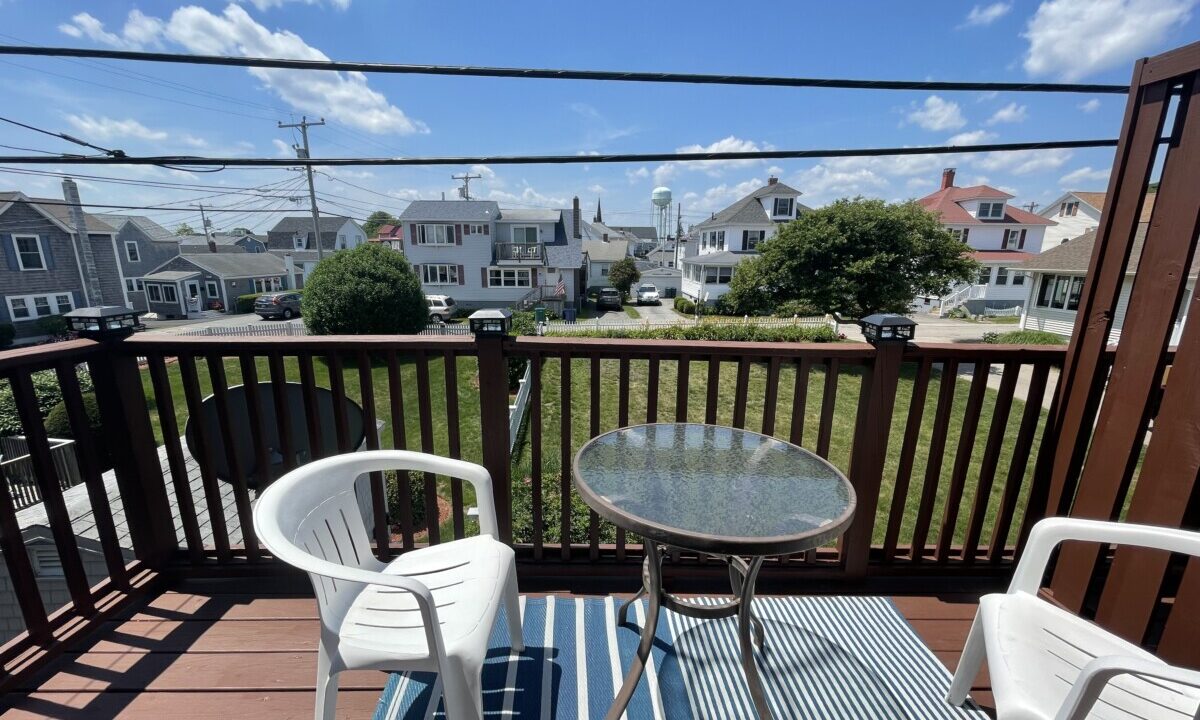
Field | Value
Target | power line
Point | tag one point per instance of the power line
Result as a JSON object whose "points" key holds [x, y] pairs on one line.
{"points": [[166, 184], [63, 136], [552, 74], [571, 159]]}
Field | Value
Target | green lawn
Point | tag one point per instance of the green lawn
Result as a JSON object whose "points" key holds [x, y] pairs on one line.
{"points": [[840, 437]]}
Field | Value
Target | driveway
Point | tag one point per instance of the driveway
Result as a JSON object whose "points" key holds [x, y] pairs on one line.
{"points": [[177, 326], [661, 313]]}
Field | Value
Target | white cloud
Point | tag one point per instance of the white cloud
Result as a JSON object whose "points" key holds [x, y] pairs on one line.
{"points": [[1072, 39], [775, 170], [405, 194], [98, 129], [720, 196], [831, 180], [986, 96], [342, 96], [264, 5], [668, 171], [972, 137], [1090, 106], [639, 174], [282, 149], [529, 196], [1010, 113], [483, 170], [1083, 176], [919, 183], [596, 189], [1022, 162], [937, 114], [986, 14]]}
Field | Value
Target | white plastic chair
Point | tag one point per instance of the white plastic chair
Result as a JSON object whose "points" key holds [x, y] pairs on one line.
{"points": [[1047, 663], [428, 610]]}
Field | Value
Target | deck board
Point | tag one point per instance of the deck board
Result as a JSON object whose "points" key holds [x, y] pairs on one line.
{"points": [[218, 649]]}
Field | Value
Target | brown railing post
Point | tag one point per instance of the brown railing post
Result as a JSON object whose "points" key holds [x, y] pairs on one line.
{"points": [[493, 422], [870, 446], [130, 439]]}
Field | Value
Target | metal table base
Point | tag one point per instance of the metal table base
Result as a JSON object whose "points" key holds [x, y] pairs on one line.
{"points": [[742, 575]]}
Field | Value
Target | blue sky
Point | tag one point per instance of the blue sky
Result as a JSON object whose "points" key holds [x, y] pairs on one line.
{"points": [[233, 111]]}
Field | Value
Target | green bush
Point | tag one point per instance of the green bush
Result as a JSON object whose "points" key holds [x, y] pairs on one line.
{"points": [[416, 493], [798, 308], [49, 394], [245, 303], [370, 290], [685, 306], [522, 513], [53, 325], [58, 425], [1024, 337], [720, 332], [7, 333]]}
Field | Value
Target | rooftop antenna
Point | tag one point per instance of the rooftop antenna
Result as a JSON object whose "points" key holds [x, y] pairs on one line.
{"points": [[464, 192]]}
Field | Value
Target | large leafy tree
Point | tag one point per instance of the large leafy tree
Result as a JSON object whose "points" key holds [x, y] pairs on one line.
{"points": [[184, 229], [370, 290], [623, 274], [854, 257], [377, 219]]}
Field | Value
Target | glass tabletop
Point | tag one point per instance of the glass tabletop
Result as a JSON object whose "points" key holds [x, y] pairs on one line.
{"points": [[715, 489]]}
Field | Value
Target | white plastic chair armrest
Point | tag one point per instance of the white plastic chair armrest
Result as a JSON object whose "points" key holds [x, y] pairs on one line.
{"points": [[1096, 674], [1051, 532]]}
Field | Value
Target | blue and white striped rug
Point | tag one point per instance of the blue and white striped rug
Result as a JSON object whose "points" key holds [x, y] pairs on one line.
{"points": [[826, 657]]}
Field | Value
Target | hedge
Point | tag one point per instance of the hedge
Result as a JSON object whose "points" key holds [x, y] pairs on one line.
{"points": [[718, 332], [416, 493], [49, 394], [58, 424], [1024, 337]]}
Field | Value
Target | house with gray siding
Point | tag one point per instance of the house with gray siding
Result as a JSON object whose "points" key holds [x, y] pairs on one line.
{"points": [[296, 233], [486, 256], [54, 258], [142, 245], [191, 283]]}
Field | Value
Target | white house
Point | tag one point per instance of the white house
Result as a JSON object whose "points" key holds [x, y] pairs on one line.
{"points": [[485, 256], [732, 235], [1075, 213], [1057, 284], [1001, 236]]}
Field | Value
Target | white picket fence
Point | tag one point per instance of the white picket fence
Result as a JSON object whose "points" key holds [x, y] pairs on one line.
{"points": [[1002, 312], [608, 323]]}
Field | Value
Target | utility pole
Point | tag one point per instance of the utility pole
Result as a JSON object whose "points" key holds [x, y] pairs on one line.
{"points": [[1032, 206], [302, 152], [464, 192], [204, 223]]}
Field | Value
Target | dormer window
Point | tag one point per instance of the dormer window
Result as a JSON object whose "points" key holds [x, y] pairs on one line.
{"points": [[1069, 209], [298, 242], [992, 210], [783, 207]]}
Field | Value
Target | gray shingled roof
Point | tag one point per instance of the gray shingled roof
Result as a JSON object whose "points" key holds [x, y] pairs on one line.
{"points": [[451, 210], [297, 255], [529, 215], [171, 275], [303, 224], [59, 211], [233, 265], [152, 229], [749, 210], [1075, 256], [725, 257], [610, 251], [218, 238], [566, 251], [641, 232]]}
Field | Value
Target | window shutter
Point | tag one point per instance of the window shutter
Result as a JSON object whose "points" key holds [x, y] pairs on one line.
{"points": [[413, 228], [487, 229], [458, 230], [462, 277], [1021, 242], [483, 276], [10, 252], [966, 232], [533, 277], [745, 239], [48, 252]]}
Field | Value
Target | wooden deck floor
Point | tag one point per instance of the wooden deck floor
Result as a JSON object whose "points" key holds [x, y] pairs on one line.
{"points": [[247, 648]]}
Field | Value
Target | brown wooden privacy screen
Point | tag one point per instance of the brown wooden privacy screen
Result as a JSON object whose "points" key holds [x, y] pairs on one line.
{"points": [[1091, 474]]}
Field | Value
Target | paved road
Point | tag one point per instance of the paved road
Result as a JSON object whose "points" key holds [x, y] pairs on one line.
{"points": [[661, 313]]}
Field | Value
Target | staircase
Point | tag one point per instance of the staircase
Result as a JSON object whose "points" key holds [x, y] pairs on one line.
{"points": [[961, 294]]}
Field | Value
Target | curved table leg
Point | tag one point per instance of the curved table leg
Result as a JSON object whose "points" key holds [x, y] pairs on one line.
{"points": [[746, 621], [623, 612], [737, 572], [653, 588]]}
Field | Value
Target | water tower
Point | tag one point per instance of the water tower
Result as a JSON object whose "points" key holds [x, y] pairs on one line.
{"points": [[661, 198]]}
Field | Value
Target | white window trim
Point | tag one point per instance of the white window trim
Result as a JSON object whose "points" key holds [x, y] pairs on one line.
{"points": [[775, 207], [451, 274], [41, 252], [133, 244], [154, 293], [990, 216], [513, 234], [170, 289], [423, 234], [56, 308], [516, 273], [297, 242], [212, 287]]}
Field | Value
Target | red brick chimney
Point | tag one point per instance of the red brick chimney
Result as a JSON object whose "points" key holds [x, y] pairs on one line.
{"points": [[947, 178], [772, 180]]}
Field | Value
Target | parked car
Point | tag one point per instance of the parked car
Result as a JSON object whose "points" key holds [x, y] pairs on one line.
{"points": [[647, 294], [284, 305], [608, 298], [441, 307]]}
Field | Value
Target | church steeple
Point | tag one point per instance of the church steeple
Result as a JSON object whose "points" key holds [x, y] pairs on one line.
{"points": [[599, 218]]}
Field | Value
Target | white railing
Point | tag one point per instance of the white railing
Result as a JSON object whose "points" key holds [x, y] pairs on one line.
{"points": [[1014, 311], [516, 411], [962, 294], [20, 478]]}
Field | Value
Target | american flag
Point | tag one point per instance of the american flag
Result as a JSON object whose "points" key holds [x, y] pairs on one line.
{"points": [[561, 287]]}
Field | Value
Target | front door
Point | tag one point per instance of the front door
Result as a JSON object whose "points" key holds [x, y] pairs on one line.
{"points": [[192, 296]]}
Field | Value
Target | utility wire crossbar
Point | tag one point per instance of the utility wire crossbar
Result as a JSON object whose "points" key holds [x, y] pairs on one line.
{"points": [[552, 74], [561, 159]]}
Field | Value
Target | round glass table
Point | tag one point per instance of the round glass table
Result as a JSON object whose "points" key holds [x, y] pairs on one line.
{"points": [[735, 495]]}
